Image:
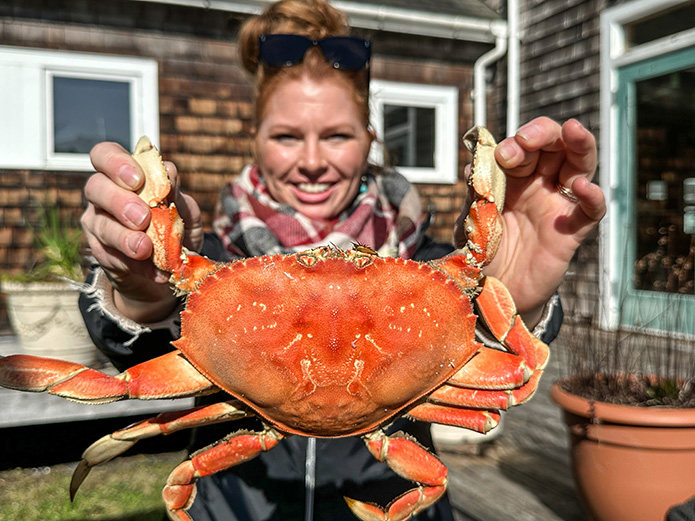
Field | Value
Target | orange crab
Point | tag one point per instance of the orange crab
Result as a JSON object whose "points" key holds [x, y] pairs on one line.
{"points": [[324, 343]]}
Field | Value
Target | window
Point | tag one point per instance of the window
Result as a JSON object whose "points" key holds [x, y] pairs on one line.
{"points": [[86, 111], [60, 104], [661, 24], [648, 168], [417, 128]]}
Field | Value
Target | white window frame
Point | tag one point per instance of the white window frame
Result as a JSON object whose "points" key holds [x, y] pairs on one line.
{"points": [[444, 101], [615, 53], [26, 88]]}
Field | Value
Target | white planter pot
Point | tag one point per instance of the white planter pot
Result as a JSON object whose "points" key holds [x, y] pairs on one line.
{"points": [[47, 321]]}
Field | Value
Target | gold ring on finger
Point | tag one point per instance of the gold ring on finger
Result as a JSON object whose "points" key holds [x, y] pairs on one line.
{"points": [[566, 193]]}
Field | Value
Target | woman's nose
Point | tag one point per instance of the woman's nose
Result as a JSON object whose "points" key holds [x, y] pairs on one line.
{"points": [[312, 159]]}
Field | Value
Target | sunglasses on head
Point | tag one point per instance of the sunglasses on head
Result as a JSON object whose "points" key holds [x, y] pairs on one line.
{"points": [[285, 50]]}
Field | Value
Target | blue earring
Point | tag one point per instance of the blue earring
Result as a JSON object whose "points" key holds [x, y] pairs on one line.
{"points": [[363, 185]]}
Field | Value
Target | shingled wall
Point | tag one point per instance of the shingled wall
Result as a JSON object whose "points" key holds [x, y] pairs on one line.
{"points": [[204, 103], [204, 100]]}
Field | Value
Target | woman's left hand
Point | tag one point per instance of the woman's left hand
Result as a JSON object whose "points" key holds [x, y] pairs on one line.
{"points": [[543, 229]]}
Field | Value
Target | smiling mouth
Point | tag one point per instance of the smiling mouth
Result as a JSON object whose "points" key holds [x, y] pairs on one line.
{"points": [[313, 188]]}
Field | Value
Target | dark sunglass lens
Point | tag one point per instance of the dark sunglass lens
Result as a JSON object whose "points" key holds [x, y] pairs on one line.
{"points": [[346, 52], [282, 50]]}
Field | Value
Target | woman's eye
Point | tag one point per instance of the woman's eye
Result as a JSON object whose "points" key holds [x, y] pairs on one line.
{"points": [[338, 137], [285, 137]]}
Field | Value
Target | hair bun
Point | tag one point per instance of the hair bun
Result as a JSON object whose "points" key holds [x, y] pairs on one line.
{"points": [[311, 18]]}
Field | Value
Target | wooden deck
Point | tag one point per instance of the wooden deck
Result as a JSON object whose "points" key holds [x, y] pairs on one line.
{"points": [[524, 474]]}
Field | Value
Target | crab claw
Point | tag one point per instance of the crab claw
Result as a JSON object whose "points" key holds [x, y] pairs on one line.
{"points": [[482, 227], [166, 229], [487, 178], [156, 186]]}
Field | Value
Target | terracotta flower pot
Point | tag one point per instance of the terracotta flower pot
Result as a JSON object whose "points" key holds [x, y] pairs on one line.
{"points": [[629, 462]]}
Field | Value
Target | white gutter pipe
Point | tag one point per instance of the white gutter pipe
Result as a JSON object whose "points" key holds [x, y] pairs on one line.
{"points": [[507, 41], [479, 69], [513, 66]]}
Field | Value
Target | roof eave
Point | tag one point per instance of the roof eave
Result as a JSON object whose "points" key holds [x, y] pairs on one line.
{"points": [[381, 18]]}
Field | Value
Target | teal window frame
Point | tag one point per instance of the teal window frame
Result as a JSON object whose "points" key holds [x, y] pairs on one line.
{"points": [[642, 309]]}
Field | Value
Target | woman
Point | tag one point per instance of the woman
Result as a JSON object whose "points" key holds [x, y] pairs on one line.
{"points": [[311, 184]]}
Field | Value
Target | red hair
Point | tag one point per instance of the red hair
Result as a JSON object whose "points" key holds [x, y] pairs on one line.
{"points": [[315, 19]]}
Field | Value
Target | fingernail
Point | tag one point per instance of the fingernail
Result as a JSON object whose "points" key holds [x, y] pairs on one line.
{"points": [[130, 177], [135, 213], [529, 131], [133, 241], [506, 150]]}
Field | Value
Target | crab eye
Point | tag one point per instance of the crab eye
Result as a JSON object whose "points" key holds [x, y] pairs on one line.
{"points": [[364, 249]]}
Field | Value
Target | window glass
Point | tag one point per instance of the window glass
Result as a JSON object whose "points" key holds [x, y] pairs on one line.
{"points": [[88, 111], [664, 23], [417, 130], [409, 135], [665, 170]]}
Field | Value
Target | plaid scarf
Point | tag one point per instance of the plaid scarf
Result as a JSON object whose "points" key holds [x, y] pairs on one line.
{"points": [[385, 216]]}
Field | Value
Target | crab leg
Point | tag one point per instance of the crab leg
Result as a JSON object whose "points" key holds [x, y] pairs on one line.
{"points": [[478, 420], [492, 379], [481, 398], [237, 448], [168, 376], [410, 460], [498, 310], [115, 444], [492, 369]]}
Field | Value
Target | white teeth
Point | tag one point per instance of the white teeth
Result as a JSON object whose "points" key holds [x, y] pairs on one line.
{"points": [[313, 188]]}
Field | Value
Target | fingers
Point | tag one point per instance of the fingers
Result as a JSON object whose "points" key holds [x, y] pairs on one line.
{"points": [[580, 153], [519, 155], [117, 164], [103, 232], [543, 147], [116, 217], [121, 203], [591, 198]]}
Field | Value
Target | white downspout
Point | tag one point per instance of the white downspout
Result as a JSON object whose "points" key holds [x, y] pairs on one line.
{"points": [[513, 65], [506, 41], [481, 64]]}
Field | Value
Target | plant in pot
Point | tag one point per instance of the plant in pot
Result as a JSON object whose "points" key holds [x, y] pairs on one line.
{"points": [[42, 301], [629, 404]]}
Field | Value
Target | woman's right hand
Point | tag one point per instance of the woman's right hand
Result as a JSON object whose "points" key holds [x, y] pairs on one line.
{"points": [[115, 222]]}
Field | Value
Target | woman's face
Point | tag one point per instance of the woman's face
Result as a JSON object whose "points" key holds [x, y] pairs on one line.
{"points": [[312, 147]]}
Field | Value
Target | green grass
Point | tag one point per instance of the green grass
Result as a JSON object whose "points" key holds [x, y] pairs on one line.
{"points": [[127, 488]]}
